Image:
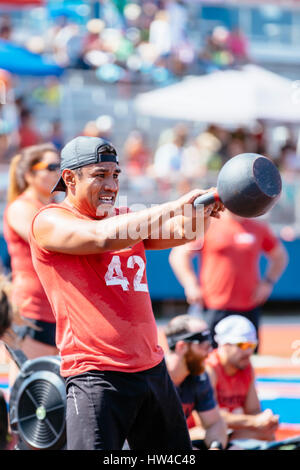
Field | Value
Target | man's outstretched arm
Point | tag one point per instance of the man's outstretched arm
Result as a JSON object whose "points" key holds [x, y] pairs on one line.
{"points": [[58, 230]]}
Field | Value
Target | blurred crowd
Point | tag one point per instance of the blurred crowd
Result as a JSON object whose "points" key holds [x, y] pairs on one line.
{"points": [[223, 49], [18, 124], [145, 42], [130, 41], [133, 41], [182, 157], [179, 154]]}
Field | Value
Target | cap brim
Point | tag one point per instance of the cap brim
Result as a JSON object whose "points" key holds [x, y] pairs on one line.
{"points": [[60, 186]]}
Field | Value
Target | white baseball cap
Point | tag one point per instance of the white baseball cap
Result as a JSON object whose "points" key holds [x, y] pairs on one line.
{"points": [[235, 329]]}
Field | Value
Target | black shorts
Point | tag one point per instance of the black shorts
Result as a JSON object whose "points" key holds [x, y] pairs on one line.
{"points": [[44, 332], [105, 408]]}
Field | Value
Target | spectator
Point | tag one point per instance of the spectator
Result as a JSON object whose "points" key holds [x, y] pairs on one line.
{"points": [[233, 380], [189, 344], [32, 176], [56, 136], [215, 54], [168, 157], [237, 45], [92, 40], [201, 156], [223, 136], [105, 125], [289, 158], [178, 14], [102, 127], [28, 133], [8, 116], [160, 36], [235, 146], [259, 137], [229, 279], [4, 141], [66, 42], [136, 153], [6, 30], [181, 48], [90, 129]]}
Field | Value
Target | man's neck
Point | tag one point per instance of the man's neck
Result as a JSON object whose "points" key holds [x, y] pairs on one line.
{"points": [[177, 368], [69, 201]]}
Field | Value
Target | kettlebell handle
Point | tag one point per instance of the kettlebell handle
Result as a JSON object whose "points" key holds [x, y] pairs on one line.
{"points": [[205, 199]]}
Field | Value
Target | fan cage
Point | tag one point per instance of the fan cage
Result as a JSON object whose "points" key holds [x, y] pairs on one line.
{"points": [[41, 409]]}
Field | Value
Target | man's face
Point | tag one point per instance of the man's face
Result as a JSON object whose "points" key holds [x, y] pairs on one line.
{"points": [[96, 188], [196, 355], [238, 357]]}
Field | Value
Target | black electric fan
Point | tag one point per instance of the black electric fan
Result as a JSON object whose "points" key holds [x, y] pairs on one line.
{"points": [[37, 404]]}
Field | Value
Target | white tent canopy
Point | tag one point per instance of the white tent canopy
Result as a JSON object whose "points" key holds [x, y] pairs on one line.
{"points": [[226, 97]]}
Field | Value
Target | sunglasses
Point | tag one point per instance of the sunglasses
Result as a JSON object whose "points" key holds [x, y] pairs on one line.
{"points": [[195, 338], [46, 166], [246, 345]]}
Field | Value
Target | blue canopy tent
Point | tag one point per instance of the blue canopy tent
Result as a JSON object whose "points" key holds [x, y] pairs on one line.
{"points": [[66, 12], [18, 60]]}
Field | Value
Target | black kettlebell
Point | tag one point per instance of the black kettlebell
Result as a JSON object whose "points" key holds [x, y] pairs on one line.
{"points": [[248, 185]]}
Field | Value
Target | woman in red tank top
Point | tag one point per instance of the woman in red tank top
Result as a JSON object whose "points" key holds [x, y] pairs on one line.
{"points": [[33, 174]]}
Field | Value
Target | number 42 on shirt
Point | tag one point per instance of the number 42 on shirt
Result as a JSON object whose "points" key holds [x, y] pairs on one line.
{"points": [[114, 275]]}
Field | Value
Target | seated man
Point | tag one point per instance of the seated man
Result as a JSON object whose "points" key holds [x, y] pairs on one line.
{"points": [[189, 343], [233, 379]]}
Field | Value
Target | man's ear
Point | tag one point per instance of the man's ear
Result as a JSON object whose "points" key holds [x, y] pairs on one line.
{"points": [[181, 347], [69, 178]]}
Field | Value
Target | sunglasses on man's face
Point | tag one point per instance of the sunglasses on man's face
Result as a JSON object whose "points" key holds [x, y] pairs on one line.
{"points": [[246, 345], [46, 166]]}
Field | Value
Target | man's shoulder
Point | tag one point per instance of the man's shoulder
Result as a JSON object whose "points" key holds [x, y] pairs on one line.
{"points": [[54, 210], [256, 225], [204, 394], [203, 379], [198, 381], [45, 219]]}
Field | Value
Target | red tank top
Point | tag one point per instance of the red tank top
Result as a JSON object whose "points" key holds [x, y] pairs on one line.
{"points": [[231, 390], [104, 317], [27, 292]]}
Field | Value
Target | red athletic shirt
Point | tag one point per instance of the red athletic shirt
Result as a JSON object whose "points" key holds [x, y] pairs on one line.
{"points": [[27, 292], [230, 262], [104, 317], [231, 390]]}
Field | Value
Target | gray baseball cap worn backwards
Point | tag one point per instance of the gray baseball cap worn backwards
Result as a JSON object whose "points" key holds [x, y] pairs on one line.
{"points": [[83, 151]]}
